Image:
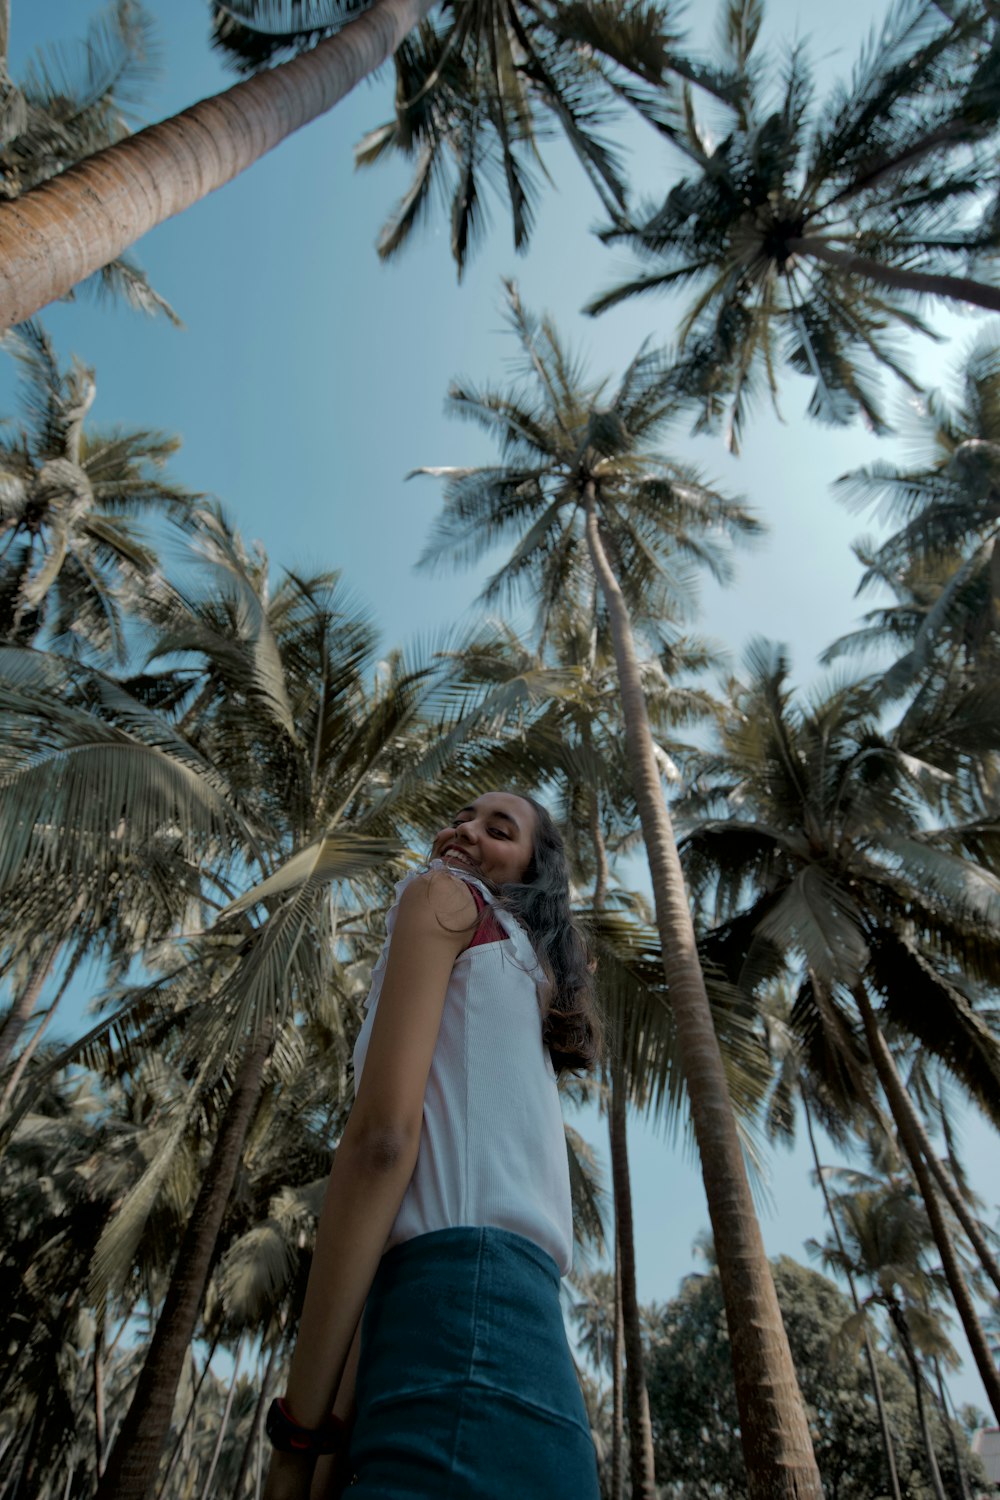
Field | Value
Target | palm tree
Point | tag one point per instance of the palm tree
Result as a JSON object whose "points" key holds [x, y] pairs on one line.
{"points": [[474, 89], [71, 496], [578, 486], [948, 503], [883, 1236], [71, 103], [807, 234], [811, 834], [66, 228]]}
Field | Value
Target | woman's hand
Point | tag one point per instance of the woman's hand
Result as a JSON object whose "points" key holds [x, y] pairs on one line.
{"points": [[289, 1476]]}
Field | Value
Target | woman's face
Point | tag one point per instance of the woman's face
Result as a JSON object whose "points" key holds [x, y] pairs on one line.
{"points": [[494, 837]]}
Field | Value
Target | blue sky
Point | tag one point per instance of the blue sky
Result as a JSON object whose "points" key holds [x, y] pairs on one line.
{"points": [[309, 379]]}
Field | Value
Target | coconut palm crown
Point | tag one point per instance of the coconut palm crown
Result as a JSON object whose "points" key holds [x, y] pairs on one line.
{"points": [[808, 233], [478, 88]]}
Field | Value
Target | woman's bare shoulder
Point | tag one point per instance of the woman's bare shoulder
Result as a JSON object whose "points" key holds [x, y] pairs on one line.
{"points": [[437, 900]]}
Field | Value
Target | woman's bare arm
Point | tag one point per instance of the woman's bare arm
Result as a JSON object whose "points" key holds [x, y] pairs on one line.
{"points": [[377, 1153]]}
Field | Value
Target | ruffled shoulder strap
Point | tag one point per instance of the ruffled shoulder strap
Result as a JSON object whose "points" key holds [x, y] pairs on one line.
{"points": [[524, 952]]}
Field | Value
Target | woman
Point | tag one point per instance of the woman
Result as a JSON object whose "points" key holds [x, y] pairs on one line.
{"points": [[447, 1218]]}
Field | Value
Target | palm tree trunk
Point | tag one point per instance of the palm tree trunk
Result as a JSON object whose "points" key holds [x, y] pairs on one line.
{"points": [[617, 1404], [220, 1436], [954, 288], [71, 225], [641, 1462], [949, 1425], [179, 1441], [27, 1052], [960, 1209], [4, 36], [883, 1420], [775, 1434], [100, 1424], [23, 1007], [902, 1328], [640, 1431], [618, 1340], [132, 1467], [904, 1116], [258, 1419]]}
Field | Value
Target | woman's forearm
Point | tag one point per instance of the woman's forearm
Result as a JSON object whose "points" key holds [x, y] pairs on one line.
{"points": [[365, 1190]]}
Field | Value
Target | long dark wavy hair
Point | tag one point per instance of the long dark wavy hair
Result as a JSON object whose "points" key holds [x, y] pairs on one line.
{"points": [[571, 1023]]}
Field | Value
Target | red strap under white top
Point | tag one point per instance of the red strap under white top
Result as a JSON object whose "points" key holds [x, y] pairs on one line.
{"points": [[488, 931]]}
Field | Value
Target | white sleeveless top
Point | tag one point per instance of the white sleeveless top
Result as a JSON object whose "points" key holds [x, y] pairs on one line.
{"points": [[492, 1146]]}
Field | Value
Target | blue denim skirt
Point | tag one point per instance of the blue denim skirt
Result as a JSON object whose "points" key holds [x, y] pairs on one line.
{"points": [[466, 1388]]}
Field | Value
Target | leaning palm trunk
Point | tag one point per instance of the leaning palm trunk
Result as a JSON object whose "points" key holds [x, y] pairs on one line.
{"points": [[959, 1207], [23, 1007], [617, 1404], [258, 1419], [641, 1462], [887, 1444], [132, 1467], [902, 1328], [75, 223], [905, 1118], [777, 1448], [954, 288], [227, 1412], [640, 1431]]}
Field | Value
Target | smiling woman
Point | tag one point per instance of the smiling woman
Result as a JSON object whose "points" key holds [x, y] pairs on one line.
{"points": [[432, 1329]]}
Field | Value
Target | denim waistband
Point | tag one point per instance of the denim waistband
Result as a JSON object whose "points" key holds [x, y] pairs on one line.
{"points": [[464, 1244]]}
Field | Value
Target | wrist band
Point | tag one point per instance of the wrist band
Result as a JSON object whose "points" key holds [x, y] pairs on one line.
{"points": [[288, 1437]]}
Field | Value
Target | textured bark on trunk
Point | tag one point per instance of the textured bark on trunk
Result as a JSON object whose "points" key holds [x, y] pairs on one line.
{"points": [[131, 1471], [777, 1448], [640, 1431], [883, 1420], [954, 288], [902, 1328], [75, 223], [905, 1118]]}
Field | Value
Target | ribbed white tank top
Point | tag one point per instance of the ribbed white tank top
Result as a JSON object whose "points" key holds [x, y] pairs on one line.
{"points": [[492, 1146]]}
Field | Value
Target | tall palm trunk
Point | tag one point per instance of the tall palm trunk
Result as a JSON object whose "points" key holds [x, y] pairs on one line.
{"points": [[132, 1467], [960, 1208], [641, 1463], [777, 1449], [75, 223], [905, 1117], [954, 288], [901, 1326], [220, 1436], [617, 1403], [883, 1420], [949, 1427], [258, 1419], [640, 1431]]}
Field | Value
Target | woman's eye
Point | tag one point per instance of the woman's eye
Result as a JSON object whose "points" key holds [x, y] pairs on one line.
{"points": [[499, 833]]}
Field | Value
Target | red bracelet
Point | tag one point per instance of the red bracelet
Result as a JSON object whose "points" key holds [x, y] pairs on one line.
{"points": [[287, 1436]]}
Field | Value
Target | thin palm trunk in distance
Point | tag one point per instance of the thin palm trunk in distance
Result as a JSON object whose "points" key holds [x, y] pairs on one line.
{"points": [[776, 1442], [135, 1458], [831, 1213], [628, 1328], [70, 226], [903, 1115]]}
